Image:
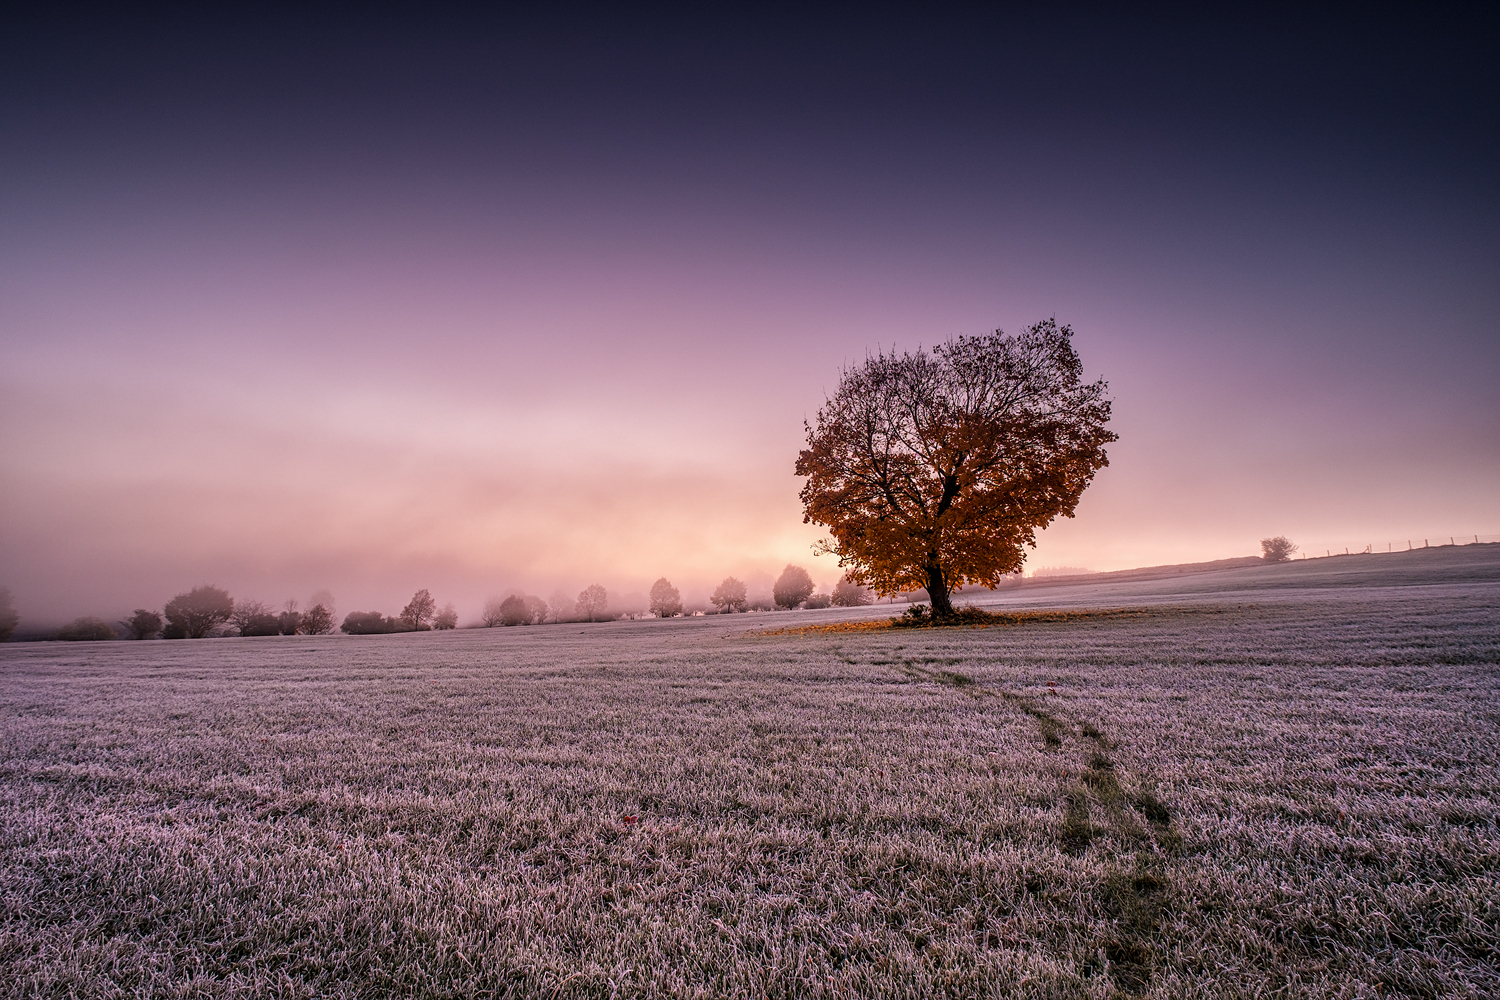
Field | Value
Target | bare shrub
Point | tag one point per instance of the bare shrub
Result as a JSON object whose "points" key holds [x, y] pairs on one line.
{"points": [[254, 618]]}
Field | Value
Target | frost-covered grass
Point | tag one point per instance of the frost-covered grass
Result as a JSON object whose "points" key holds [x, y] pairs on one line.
{"points": [[1265, 793]]}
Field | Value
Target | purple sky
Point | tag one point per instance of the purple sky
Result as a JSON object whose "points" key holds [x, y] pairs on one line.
{"points": [[484, 304]]}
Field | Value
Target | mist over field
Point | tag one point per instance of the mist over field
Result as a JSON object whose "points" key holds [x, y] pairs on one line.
{"points": [[480, 301]]}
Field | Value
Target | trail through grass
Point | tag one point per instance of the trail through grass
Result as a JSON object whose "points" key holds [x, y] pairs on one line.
{"points": [[1290, 795]]}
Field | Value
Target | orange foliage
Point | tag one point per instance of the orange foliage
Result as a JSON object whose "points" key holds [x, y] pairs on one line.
{"points": [[935, 470]]}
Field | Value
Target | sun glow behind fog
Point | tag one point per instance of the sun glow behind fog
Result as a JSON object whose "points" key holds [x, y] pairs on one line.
{"points": [[374, 490], [401, 347]]}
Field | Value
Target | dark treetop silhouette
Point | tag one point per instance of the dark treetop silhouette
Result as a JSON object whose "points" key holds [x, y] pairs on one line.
{"points": [[935, 470], [192, 615], [8, 617], [666, 600], [792, 588], [729, 595]]}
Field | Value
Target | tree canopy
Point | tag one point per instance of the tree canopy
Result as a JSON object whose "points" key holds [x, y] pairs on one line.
{"points": [[420, 611], [513, 610], [666, 600], [729, 596], [191, 615], [792, 588], [592, 601], [317, 620], [935, 470]]}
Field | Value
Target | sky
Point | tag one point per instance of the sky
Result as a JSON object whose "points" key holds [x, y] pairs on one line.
{"points": [[484, 302]]}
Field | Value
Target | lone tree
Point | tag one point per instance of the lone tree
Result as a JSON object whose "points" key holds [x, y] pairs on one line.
{"points": [[666, 601], [935, 470], [8, 617], [792, 588], [492, 615], [446, 619], [420, 611], [1278, 549], [729, 596], [191, 615], [592, 601], [143, 624]]}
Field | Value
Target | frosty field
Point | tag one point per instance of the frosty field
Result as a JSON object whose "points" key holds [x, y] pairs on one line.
{"points": [[1279, 781]]}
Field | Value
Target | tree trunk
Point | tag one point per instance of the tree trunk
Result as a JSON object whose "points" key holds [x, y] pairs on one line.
{"points": [[937, 591]]}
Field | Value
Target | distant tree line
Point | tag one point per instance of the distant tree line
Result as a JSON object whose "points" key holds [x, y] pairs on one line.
{"points": [[209, 610]]}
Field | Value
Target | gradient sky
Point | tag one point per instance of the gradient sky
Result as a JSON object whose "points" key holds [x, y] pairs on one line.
{"points": [[481, 302]]}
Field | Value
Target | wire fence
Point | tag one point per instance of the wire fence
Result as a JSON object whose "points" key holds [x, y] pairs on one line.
{"points": [[1325, 550]]}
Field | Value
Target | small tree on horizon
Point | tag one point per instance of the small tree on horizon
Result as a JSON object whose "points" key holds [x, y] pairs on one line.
{"points": [[193, 614], [420, 611], [446, 619], [729, 596], [8, 617], [86, 629], [792, 588], [1278, 549], [592, 601], [536, 610], [666, 601], [513, 610], [317, 620], [848, 594], [143, 624], [492, 615]]}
